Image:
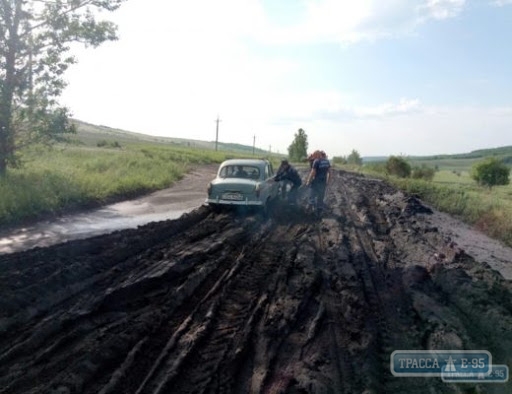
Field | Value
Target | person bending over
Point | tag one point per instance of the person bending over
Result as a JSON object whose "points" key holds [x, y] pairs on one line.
{"points": [[287, 172]]}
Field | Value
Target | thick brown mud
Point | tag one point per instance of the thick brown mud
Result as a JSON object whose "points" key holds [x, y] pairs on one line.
{"points": [[235, 303]]}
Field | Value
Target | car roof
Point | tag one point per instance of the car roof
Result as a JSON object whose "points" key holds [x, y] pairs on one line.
{"points": [[254, 162]]}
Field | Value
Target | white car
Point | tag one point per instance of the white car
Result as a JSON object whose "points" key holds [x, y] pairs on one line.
{"points": [[243, 182]]}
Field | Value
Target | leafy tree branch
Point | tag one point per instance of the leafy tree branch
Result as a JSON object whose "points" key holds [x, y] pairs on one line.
{"points": [[34, 56]]}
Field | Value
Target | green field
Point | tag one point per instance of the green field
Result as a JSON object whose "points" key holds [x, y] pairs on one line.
{"points": [[463, 161], [447, 164]]}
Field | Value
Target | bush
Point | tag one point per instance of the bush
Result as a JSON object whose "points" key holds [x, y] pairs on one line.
{"points": [[108, 144], [398, 166], [491, 172], [423, 172]]}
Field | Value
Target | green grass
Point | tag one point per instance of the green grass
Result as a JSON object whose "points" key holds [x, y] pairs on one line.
{"points": [[82, 176], [446, 163], [461, 177]]}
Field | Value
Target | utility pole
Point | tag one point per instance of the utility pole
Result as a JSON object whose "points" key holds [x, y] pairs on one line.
{"points": [[270, 149], [253, 143], [217, 133]]}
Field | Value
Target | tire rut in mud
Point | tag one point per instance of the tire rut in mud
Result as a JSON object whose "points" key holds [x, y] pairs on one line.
{"points": [[220, 303]]}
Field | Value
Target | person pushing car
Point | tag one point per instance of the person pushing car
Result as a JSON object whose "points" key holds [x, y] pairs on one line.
{"points": [[287, 172], [318, 179]]}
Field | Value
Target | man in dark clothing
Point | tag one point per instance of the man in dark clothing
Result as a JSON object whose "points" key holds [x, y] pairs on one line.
{"points": [[318, 179], [287, 173]]}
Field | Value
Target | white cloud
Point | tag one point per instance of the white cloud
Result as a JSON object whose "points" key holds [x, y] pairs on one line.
{"points": [[332, 105], [501, 3], [352, 21], [347, 21], [404, 106], [443, 9], [502, 111]]}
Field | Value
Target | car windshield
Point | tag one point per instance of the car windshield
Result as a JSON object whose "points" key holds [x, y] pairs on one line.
{"points": [[239, 171]]}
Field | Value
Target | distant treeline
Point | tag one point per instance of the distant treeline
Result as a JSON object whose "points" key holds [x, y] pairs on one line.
{"points": [[504, 152]]}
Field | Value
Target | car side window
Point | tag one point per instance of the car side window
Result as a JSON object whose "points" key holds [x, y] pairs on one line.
{"points": [[225, 172]]}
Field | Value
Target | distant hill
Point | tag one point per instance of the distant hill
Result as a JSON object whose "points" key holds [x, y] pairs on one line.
{"points": [[90, 134], [459, 161], [503, 151], [465, 160]]}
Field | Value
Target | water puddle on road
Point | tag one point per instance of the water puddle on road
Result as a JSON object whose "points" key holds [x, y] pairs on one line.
{"points": [[162, 205], [79, 226]]}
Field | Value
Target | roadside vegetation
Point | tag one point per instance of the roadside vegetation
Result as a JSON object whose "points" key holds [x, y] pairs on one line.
{"points": [[473, 192], [71, 176]]}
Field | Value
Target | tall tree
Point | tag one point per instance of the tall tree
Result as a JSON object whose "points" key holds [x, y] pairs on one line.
{"points": [[34, 54], [298, 149]]}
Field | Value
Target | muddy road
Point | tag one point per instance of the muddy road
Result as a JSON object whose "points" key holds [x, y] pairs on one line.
{"points": [[225, 303]]}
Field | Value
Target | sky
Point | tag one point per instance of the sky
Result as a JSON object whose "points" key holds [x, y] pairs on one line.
{"points": [[384, 77]]}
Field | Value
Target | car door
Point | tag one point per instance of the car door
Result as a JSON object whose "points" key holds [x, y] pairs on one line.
{"points": [[271, 184]]}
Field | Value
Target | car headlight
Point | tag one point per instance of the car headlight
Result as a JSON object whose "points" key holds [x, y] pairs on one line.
{"points": [[209, 189]]}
